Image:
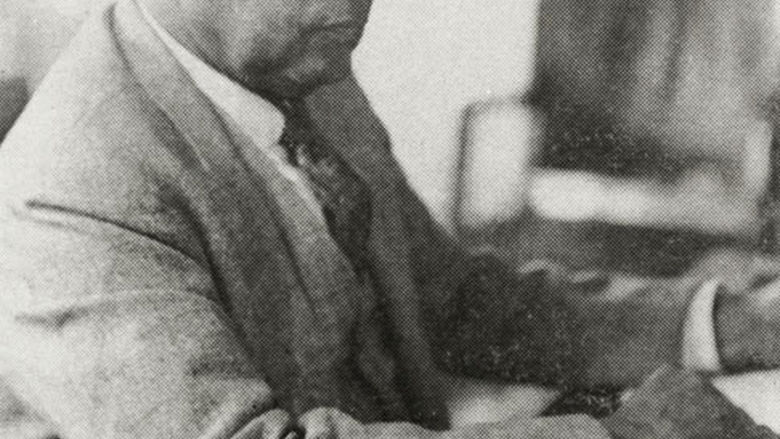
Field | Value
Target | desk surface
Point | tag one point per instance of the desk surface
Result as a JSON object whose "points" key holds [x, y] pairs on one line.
{"points": [[475, 401]]}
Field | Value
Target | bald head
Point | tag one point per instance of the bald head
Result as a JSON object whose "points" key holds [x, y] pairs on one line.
{"points": [[280, 47]]}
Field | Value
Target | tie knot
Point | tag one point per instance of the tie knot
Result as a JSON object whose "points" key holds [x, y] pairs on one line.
{"points": [[344, 197]]}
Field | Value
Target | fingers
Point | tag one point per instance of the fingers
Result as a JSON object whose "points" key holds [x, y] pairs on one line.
{"points": [[328, 423], [274, 424]]}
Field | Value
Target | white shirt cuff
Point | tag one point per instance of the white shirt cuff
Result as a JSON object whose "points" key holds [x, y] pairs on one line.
{"points": [[699, 347]]}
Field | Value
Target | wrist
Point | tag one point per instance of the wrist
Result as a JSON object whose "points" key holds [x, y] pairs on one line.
{"points": [[699, 347]]}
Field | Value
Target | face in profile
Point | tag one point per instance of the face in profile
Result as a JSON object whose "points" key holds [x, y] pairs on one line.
{"points": [[288, 47]]}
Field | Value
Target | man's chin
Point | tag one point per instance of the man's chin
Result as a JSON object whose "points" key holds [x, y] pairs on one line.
{"points": [[299, 83]]}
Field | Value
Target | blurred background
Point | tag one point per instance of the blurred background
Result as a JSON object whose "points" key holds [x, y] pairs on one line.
{"points": [[634, 135], [630, 135]]}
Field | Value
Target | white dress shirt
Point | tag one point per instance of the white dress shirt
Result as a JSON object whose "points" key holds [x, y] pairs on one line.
{"points": [[255, 116]]}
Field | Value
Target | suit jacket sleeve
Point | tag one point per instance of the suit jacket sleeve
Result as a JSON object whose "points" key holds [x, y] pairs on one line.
{"points": [[116, 329], [119, 335], [486, 320]]}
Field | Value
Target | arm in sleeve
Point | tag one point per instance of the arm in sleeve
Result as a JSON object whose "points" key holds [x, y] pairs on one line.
{"points": [[111, 331], [485, 320]]}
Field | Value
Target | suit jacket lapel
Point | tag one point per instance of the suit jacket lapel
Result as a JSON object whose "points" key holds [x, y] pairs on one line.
{"points": [[318, 299], [345, 118], [327, 306]]}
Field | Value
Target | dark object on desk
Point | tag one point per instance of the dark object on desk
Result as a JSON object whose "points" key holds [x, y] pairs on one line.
{"points": [[598, 403], [677, 404]]}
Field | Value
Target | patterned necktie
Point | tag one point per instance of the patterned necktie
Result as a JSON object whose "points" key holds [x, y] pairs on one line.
{"points": [[344, 198]]}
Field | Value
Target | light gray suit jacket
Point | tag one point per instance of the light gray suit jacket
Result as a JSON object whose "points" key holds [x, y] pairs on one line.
{"points": [[157, 280]]}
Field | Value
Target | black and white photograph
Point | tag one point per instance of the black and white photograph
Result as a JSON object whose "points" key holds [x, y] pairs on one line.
{"points": [[389, 219]]}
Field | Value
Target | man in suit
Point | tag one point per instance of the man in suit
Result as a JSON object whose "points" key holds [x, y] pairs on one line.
{"points": [[203, 239]]}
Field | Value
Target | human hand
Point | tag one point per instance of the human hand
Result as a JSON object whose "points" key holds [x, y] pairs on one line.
{"points": [[272, 424]]}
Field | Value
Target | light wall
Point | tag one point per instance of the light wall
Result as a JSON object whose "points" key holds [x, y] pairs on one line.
{"points": [[422, 61], [34, 32]]}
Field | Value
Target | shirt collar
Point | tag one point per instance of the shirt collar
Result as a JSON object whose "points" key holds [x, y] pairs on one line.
{"points": [[257, 117]]}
